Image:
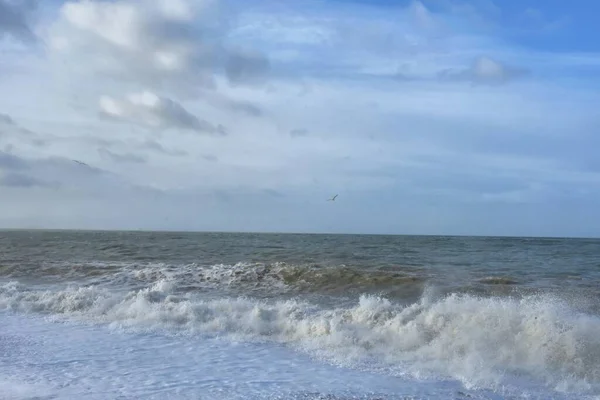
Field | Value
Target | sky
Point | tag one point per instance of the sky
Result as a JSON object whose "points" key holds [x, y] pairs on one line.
{"points": [[426, 117]]}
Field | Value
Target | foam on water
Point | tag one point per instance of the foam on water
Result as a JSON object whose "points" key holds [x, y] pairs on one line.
{"points": [[67, 361], [482, 342]]}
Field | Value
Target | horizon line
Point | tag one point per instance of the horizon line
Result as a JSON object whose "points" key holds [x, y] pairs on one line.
{"points": [[266, 232]]}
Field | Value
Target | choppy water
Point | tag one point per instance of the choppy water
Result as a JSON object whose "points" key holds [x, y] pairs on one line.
{"points": [[380, 316]]}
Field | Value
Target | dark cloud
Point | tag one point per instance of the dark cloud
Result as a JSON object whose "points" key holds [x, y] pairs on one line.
{"points": [[121, 158], [299, 132], [246, 108], [221, 130], [13, 20], [27, 132], [484, 70], [64, 177], [210, 157], [159, 148], [221, 101], [181, 118], [273, 193], [55, 166], [223, 195], [6, 119], [10, 128], [19, 180], [246, 67], [11, 162], [246, 195]]}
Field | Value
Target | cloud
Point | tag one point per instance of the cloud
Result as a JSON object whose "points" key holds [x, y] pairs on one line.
{"points": [[150, 110], [122, 158], [422, 16], [11, 132], [54, 172], [133, 40], [210, 157], [484, 70], [6, 119], [246, 108], [449, 154], [13, 20], [298, 132], [11, 162], [19, 180], [246, 67], [273, 193], [158, 148], [166, 44]]}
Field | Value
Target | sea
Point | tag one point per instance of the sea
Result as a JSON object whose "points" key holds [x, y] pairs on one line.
{"points": [[166, 315]]}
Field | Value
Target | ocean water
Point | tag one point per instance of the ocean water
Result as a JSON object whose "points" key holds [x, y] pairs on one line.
{"points": [[136, 315]]}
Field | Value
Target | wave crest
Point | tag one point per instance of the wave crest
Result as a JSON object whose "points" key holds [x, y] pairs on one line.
{"points": [[477, 340], [282, 278]]}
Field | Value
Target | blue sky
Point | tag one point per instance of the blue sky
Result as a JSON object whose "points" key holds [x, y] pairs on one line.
{"points": [[426, 117]]}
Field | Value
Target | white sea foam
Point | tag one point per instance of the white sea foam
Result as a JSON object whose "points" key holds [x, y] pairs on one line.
{"points": [[484, 342], [73, 361], [219, 275]]}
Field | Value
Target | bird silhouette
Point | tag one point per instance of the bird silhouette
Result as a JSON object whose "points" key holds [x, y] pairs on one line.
{"points": [[333, 198]]}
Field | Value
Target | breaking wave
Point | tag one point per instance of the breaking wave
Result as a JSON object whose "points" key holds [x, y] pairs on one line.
{"points": [[499, 280], [479, 341], [282, 277], [245, 277]]}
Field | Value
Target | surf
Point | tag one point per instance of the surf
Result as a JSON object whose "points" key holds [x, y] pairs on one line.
{"points": [[479, 341]]}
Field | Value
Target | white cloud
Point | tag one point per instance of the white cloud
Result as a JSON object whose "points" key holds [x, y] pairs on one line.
{"points": [[131, 40], [422, 15], [160, 44], [150, 110], [485, 70]]}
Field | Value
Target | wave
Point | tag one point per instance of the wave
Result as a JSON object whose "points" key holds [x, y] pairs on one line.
{"points": [[282, 277], [62, 270], [499, 280], [479, 341], [247, 277]]}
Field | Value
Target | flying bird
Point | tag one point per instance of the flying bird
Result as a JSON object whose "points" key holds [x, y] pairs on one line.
{"points": [[81, 163], [333, 198]]}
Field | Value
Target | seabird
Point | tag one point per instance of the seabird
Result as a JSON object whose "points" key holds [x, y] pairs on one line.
{"points": [[333, 198], [81, 162]]}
